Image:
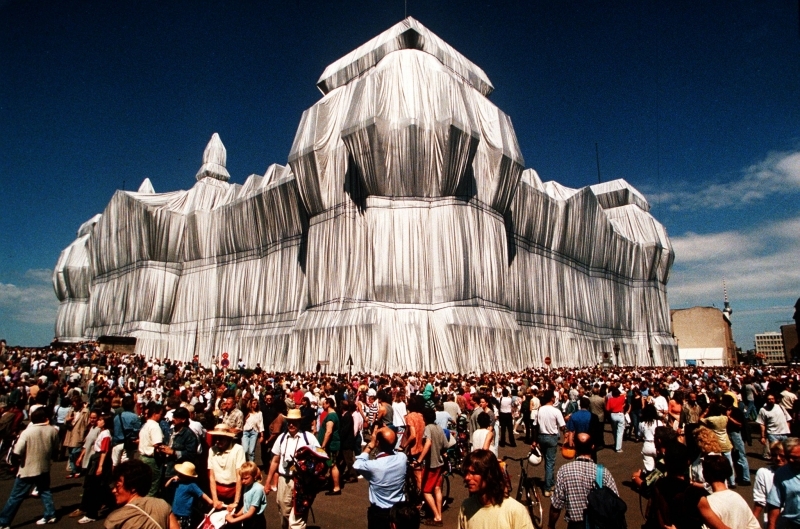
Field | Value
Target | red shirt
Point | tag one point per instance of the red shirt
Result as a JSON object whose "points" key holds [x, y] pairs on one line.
{"points": [[615, 404]]}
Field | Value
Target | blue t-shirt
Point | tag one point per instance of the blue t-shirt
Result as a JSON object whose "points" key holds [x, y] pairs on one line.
{"points": [[254, 496], [185, 495], [579, 421], [785, 493]]}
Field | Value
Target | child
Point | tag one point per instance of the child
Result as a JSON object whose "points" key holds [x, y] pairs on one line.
{"points": [[185, 493], [254, 500]]}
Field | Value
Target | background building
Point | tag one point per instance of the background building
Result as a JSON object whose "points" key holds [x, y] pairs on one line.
{"points": [[704, 336], [769, 347]]}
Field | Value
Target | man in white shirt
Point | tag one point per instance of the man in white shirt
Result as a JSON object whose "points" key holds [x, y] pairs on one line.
{"points": [[149, 436], [283, 451], [774, 422], [551, 424]]}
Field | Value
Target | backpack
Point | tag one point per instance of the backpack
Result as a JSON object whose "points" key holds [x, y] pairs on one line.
{"points": [[310, 474], [604, 510]]}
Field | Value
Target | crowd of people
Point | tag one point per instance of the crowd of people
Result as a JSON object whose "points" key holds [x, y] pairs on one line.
{"points": [[161, 443]]}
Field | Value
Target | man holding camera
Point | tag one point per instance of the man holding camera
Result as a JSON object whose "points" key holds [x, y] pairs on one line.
{"points": [[283, 452]]}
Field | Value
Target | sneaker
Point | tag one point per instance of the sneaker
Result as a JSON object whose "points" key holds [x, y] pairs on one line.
{"points": [[86, 519], [35, 493], [77, 512], [45, 521]]}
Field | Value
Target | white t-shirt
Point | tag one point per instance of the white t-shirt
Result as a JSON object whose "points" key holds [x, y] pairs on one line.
{"points": [[551, 420], [286, 446]]}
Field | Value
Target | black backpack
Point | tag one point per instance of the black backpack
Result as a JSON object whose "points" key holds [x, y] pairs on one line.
{"points": [[605, 510]]}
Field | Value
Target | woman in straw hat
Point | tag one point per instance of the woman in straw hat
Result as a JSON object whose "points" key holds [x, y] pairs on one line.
{"points": [[224, 460]]}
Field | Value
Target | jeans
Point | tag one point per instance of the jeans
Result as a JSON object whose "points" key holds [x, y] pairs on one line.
{"points": [[635, 414], [249, 440], [618, 427], [732, 479], [74, 452], [771, 438], [549, 444], [741, 456], [22, 486]]}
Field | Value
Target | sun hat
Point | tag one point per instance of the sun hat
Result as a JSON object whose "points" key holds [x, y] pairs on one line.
{"points": [[221, 429], [186, 469], [294, 415]]}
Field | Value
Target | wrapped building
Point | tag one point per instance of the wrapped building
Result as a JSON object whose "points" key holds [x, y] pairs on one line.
{"points": [[405, 233]]}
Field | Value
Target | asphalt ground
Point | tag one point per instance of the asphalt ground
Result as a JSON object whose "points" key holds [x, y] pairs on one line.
{"points": [[348, 511]]}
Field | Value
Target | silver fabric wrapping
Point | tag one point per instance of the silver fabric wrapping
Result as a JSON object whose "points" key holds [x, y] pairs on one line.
{"points": [[404, 233]]}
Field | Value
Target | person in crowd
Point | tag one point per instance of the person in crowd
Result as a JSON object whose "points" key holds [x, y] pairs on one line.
{"points": [[581, 421], [573, 483], [347, 440], [32, 453], [224, 460], [385, 475], [616, 407], [736, 422], [231, 416], [647, 432], [132, 481], [505, 417], [183, 443], [150, 436], [431, 458], [774, 423], [674, 497], [723, 506], [716, 420], [783, 499], [126, 429], [77, 426], [96, 492], [185, 492], [253, 429], [488, 506], [483, 437], [283, 452], [330, 441], [764, 479], [551, 424], [415, 429], [707, 443], [254, 499]]}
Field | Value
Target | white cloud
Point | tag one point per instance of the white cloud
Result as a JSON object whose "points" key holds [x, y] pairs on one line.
{"points": [[32, 301], [756, 264], [759, 267], [778, 173]]}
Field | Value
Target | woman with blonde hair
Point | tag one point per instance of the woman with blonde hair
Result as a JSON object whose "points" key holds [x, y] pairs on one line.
{"points": [[707, 443]]}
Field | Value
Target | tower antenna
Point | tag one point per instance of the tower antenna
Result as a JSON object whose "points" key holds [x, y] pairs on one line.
{"points": [[597, 158]]}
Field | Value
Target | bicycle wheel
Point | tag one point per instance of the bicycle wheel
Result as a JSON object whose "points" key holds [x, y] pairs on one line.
{"points": [[446, 500], [534, 505]]}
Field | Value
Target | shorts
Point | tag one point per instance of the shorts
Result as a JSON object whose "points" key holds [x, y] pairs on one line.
{"points": [[432, 478]]}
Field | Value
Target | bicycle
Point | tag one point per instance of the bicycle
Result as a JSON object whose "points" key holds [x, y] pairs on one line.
{"points": [[526, 492]]}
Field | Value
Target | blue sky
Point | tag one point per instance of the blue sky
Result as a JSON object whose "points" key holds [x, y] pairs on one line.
{"points": [[697, 104]]}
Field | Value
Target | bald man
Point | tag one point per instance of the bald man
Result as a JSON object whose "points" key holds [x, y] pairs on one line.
{"points": [[385, 475]]}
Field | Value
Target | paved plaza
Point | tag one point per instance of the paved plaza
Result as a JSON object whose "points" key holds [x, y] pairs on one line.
{"points": [[349, 509]]}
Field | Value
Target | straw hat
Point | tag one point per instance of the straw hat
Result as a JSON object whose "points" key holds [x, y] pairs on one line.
{"points": [[186, 469], [221, 429], [294, 415]]}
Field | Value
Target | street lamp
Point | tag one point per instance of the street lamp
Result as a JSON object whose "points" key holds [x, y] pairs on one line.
{"points": [[652, 357], [350, 366], [616, 352]]}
